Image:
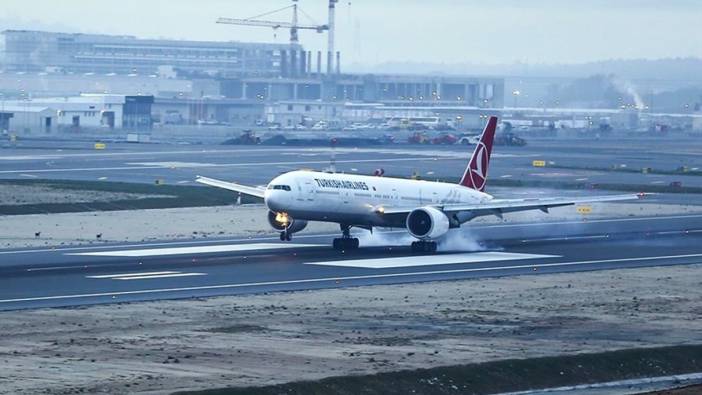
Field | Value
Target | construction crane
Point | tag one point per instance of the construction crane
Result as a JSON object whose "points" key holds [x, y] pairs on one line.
{"points": [[294, 26]]}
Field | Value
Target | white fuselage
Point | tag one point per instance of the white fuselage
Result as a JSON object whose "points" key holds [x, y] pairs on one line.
{"points": [[358, 200]]}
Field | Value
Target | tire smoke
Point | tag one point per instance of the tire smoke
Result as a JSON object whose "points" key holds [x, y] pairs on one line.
{"points": [[460, 240], [456, 240], [385, 239]]}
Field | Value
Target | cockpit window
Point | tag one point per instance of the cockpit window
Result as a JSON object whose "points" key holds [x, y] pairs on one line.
{"points": [[280, 187]]}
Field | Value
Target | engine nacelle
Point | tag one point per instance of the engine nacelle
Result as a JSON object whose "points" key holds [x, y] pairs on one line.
{"points": [[427, 223], [282, 221]]}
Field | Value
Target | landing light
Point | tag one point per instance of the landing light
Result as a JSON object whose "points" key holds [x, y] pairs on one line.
{"points": [[282, 218]]}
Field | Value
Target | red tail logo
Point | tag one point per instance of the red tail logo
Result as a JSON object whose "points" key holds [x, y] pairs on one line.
{"points": [[475, 175]]}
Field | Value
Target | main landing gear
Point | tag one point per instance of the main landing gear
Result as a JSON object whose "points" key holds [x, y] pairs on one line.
{"points": [[424, 246], [346, 242], [285, 236]]}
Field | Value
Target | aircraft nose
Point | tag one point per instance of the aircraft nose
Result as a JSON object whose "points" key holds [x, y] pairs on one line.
{"points": [[274, 200]]}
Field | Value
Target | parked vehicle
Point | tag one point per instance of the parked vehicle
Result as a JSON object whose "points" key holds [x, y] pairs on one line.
{"points": [[444, 138], [321, 125], [509, 139], [248, 137]]}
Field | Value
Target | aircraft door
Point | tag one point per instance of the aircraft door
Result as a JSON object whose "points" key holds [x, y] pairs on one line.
{"points": [[299, 191], [309, 191], [345, 196]]}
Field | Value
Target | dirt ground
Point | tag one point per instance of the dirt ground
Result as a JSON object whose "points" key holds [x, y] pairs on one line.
{"points": [[18, 231], [35, 194], [62, 229], [158, 347], [691, 390]]}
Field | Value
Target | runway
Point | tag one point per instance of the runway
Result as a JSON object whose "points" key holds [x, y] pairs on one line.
{"points": [[75, 276]]}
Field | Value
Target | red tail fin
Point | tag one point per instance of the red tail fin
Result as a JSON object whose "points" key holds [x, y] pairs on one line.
{"points": [[475, 175]]}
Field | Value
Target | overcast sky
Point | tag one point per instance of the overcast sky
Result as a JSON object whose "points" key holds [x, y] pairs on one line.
{"points": [[376, 31]]}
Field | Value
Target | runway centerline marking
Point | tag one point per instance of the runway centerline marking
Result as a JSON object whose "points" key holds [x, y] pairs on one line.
{"points": [[195, 250], [346, 278], [426, 260], [129, 274], [144, 276]]}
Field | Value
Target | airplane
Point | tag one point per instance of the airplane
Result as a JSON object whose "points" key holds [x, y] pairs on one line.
{"points": [[428, 210]]}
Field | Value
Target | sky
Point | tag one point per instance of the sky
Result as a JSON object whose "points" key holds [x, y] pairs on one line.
{"points": [[377, 31]]}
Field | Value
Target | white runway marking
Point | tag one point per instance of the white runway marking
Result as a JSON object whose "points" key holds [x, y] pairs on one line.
{"points": [[173, 164], [196, 250], [29, 157], [256, 164], [144, 276], [426, 260], [130, 274]]}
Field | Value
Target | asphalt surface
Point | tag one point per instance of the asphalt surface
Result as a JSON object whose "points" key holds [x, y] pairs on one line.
{"points": [[179, 164], [76, 276]]}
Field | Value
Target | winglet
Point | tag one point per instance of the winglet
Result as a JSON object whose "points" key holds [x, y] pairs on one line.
{"points": [[475, 175]]}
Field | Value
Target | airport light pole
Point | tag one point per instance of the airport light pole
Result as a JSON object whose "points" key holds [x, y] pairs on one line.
{"points": [[24, 107], [2, 112], [516, 94]]}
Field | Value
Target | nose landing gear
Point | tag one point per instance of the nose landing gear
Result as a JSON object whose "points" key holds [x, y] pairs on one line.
{"points": [[424, 246], [346, 242]]}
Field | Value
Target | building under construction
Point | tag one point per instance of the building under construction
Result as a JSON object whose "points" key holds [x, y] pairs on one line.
{"points": [[222, 82]]}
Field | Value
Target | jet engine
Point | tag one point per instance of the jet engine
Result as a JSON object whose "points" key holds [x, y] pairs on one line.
{"points": [[282, 221], [427, 223]]}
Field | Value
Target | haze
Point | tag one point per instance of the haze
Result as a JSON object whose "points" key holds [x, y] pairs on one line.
{"points": [[371, 32]]}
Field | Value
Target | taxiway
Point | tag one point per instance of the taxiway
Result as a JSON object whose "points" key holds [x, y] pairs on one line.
{"points": [[570, 160]]}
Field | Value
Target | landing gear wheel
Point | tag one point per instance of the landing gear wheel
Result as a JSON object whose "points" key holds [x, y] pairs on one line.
{"points": [[424, 247], [344, 244], [285, 236]]}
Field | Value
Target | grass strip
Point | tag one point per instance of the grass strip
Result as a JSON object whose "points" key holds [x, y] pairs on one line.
{"points": [[175, 196]]}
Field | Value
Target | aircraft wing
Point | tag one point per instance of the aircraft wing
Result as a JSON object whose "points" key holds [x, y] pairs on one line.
{"points": [[245, 189], [500, 206]]}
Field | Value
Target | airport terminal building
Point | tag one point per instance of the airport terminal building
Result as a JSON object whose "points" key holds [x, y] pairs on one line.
{"points": [[39, 51], [74, 114]]}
